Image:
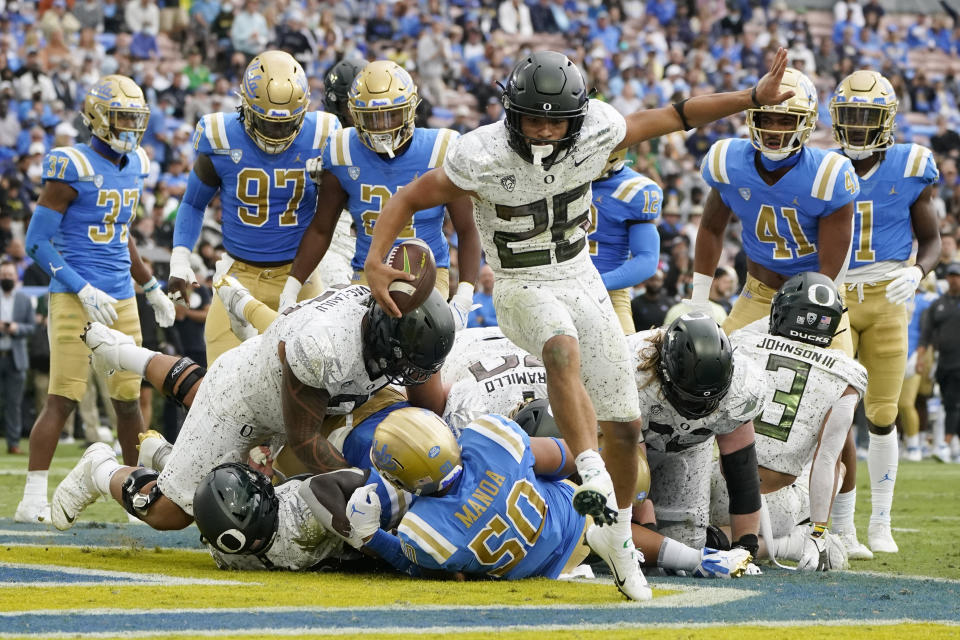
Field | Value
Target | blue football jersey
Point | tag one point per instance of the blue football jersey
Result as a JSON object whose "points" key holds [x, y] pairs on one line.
{"points": [[93, 234], [623, 199], [882, 229], [267, 198], [780, 221], [369, 180], [500, 518]]}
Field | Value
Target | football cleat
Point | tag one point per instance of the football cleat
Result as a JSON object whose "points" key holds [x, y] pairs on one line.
{"points": [[105, 343], [77, 491], [881, 539], [235, 297], [32, 511], [913, 454], [856, 550], [942, 453], [595, 497], [154, 450], [722, 564], [623, 559]]}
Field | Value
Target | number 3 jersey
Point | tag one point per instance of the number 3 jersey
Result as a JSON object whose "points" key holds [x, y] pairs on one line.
{"points": [[268, 199], [93, 234], [488, 374], [532, 221], [803, 383], [666, 430], [369, 180], [780, 221], [500, 518]]}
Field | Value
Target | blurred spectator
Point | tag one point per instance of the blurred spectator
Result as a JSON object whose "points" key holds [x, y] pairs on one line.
{"points": [[493, 112], [249, 32], [380, 26], [946, 141], [723, 287], [32, 82], [651, 306], [57, 18], [461, 117], [89, 14], [850, 11], [484, 315], [514, 18], [142, 16], [940, 334], [296, 39], [433, 55], [542, 17], [16, 327], [16, 254]]}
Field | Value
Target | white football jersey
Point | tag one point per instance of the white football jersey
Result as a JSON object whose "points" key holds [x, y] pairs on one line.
{"points": [[803, 383], [489, 374], [324, 349], [533, 221], [666, 430]]}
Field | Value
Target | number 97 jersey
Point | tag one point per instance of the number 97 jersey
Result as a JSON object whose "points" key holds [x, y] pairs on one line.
{"points": [[780, 221]]}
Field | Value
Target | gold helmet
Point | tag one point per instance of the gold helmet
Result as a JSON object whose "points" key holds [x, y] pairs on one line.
{"points": [[615, 161], [863, 109], [116, 112], [803, 106], [415, 450], [383, 103], [274, 96]]}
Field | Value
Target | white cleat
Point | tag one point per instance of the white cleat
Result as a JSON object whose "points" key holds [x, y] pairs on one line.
{"points": [[942, 453], [235, 297], [623, 559], [913, 454], [881, 539], [856, 550], [105, 343], [154, 450], [77, 491], [32, 511], [595, 497], [721, 564]]}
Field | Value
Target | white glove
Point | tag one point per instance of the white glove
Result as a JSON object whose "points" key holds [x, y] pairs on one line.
{"points": [[315, 168], [819, 551], [363, 512], [163, 309], [462, 304], [699, 299], [180, 268], [98, 305], [288, 297], [904, 285], [222, 267]]}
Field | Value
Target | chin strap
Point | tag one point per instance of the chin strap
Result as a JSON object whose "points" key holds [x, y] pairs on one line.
{"points": [[773, 165]]}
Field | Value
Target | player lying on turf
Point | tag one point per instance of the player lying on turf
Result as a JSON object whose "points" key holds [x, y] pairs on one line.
{"points": [[325, 357], [812, 392]]}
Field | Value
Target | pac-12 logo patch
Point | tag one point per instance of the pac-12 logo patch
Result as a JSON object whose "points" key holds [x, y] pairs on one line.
{"points": [[745, 193], [235, 155], [353, 172], [508, 182]]}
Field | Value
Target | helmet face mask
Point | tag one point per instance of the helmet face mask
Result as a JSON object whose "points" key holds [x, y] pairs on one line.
{"points": [[116, 112], [696, 365], [415, 450], [236, 510], [274, 97], [863, 110], [788, 135], [807, 308], [383, 104]]}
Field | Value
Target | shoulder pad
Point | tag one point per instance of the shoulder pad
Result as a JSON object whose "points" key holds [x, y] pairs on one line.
{"points": [[829, 170], [921, 164], [210, 135], [714, 168], [440, 145], [502, 431], [340, 147], [629, 188], [327, 123], [67, 164]]}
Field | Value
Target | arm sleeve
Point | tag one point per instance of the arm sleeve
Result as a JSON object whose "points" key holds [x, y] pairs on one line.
{"points": [[186, 230], [388, 547], [43, 226], [645, 249]]}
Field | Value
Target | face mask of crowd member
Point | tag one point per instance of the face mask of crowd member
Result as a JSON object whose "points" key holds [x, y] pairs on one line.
{"points": [[7, 285]]}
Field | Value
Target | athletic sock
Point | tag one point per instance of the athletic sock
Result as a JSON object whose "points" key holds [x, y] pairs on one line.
{"points": [[36, 486], [135, 359], [882, 462], [676, 555], [841, 516], [102, 473], [588, 462]]}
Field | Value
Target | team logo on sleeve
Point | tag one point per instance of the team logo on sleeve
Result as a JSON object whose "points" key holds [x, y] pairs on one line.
{"points": [[353, 172], [235, 155], [98, 181], [745, 193], [508, 182]]}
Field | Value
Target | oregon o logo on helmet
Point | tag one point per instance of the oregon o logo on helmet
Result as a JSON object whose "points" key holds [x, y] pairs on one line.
{"points": [[547, 106], [814, 298]]}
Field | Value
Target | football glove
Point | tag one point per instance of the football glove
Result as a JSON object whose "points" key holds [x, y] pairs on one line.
{"points": [[363, 512], [315, 168], [98, 305], [699, 299], [180, 269], [163, 309], [822, 551], [462, 304], [904, 284], [288, 297]]}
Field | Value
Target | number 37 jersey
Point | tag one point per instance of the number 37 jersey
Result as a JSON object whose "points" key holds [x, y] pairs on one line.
{"points": [[780, 221]]}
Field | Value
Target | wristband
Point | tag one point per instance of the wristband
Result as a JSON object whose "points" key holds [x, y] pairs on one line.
{"points": [[150, 285], [701, 287], [465, 289], [753, 97]]}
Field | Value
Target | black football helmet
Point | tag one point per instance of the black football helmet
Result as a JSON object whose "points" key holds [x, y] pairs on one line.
{"points": [[411, 348], [545, 84], [336, 84], [807, 308], [236, 509], [696, 365], [536, 419]]}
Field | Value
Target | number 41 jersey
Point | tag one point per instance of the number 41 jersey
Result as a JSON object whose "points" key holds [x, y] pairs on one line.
{"points": [[803, 383]]}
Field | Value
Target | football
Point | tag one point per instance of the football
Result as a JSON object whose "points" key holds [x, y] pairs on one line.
{"points": [[415, 257]]}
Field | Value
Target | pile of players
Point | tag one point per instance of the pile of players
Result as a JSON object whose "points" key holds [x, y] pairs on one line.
{"points": [[345, 394]]}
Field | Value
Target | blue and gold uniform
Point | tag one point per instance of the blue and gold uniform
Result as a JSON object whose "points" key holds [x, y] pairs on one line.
{"points": [[500, 518], [93, 239], [369, 180], [268, 201], [780, 221], [620, 201], [882, 242]]}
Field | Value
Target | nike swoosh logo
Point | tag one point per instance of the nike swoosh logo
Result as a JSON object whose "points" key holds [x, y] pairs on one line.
{"points": [[66, 517], [577, 163], [616, 576]]}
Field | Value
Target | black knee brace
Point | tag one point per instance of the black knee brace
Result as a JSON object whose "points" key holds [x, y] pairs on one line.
{"points": [[137, 503], [186, 380]]}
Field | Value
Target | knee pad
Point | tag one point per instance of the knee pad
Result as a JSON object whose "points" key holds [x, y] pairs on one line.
{"points": [[137, 504], [178, 373]]}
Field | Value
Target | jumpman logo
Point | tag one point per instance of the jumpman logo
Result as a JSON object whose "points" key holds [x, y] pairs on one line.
{"points": [[354, 510], [886, 476], [53, 269]]}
